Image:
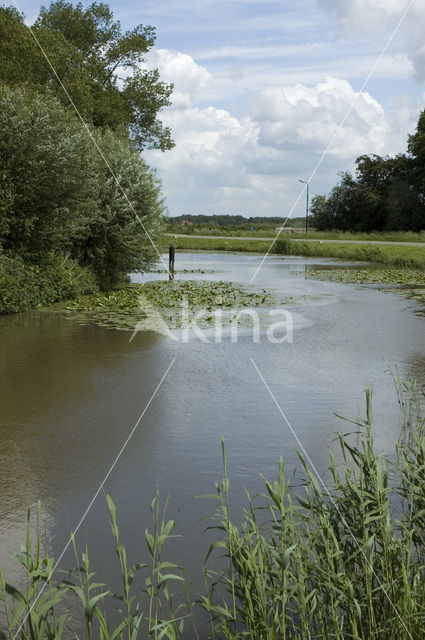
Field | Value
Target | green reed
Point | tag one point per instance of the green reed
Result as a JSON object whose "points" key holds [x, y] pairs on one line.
{"points": [[301, 563]]}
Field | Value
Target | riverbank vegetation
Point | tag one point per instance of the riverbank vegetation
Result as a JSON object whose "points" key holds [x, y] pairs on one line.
{"points": [[217, 244], [25, 286], [71, 191], [390, 254], [305, 561]]}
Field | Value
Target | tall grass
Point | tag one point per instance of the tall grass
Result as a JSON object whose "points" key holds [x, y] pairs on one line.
{"points": [[270, 231], [302, 563], [391, 255], [216, 244]]}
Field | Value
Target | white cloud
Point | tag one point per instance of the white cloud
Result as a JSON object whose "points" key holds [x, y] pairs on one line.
{"points": [[250, 164], [383, 16], [301, 117], [364, 14], [188, 77]]}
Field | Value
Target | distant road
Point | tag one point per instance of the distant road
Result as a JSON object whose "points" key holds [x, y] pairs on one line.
{"points": [[270, 239]]}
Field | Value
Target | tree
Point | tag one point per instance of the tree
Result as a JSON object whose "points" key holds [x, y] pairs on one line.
{"points": [[321, 214], [114, 241], [89, 50], [380, 197], [45, 165], [60, 197]]}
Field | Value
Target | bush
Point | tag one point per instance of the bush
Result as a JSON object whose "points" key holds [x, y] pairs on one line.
{"points": [[285, 247], [27, 286], [58, 195]]}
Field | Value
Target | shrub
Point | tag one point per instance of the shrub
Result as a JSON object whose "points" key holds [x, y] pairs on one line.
{"points": [[26, 286]]}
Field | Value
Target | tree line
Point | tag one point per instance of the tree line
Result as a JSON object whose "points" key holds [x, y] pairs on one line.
{"points": [[385, 194], [75, 190], [228, 220]]}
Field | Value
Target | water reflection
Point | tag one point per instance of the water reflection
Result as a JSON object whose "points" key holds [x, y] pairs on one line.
{"points": [[70, 394]]}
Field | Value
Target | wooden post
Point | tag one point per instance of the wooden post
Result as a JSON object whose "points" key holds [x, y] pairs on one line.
{"points": [[171, 256]]}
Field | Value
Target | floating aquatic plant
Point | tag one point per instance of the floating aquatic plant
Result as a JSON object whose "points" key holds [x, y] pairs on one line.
{"points": [[124, 308]]}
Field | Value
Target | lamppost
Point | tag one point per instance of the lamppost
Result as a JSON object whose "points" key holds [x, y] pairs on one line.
{"points": [[306, 204]]}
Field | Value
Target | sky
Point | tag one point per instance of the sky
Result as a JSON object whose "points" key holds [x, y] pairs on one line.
{"points": [[262, 86]]}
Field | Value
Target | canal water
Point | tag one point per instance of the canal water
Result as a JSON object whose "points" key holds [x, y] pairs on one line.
{"points": [[70, 395]]}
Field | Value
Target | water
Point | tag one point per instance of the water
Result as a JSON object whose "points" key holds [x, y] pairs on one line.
{"points": [[71, 394]]}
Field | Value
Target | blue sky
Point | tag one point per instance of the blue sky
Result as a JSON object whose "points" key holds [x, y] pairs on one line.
{"points": [[261, 87]]}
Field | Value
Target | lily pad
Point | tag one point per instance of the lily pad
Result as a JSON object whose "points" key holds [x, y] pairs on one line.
{"points": [[162, 305]]}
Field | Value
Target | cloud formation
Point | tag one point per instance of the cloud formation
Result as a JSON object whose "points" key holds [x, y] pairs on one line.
{"points": [[250, 164], [180, 69], [383, 16]]}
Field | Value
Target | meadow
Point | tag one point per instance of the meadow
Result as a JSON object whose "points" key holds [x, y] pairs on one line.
{"points": [[270, 231], [391, 254]]}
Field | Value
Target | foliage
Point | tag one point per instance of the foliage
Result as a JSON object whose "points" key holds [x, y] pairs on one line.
{"points": [[46, 168], [62, 197], [24, 286], [80, 192], [89, 51], [341, 560], [225, 220], [385, 195]]}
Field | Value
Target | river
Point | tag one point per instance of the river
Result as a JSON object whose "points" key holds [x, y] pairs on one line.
{"points": [[71, 394]]}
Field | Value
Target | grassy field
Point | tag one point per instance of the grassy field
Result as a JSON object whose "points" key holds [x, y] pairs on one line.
{"points": [[391, 255], [216, 244], [394, 236], [270, 232], [304, 563]]}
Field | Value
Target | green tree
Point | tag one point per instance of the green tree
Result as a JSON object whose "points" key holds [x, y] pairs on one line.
{"points": [[416, 147], [321, 214], [89, 51], [61, 197], [115, 241], [46, 162], [380, 197]]}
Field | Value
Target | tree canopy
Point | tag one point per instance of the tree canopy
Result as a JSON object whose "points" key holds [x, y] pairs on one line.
{"points": [[385, 194], [100, 66], [58, 196]]}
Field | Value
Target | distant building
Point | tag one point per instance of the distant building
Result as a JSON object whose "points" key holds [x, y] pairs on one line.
{"points": [[186, 223]]}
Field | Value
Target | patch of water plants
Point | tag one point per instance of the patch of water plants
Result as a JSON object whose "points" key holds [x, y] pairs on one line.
{"points": [[184, 271], [408, 282], [303, 562], [370, 275], [163, 300]]}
